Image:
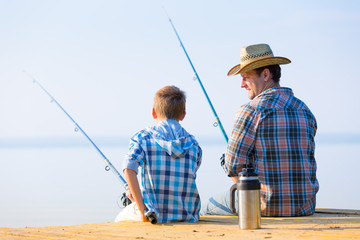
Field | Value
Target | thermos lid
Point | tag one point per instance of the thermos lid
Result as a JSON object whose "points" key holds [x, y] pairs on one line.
{"points": [[248, 171], [248, 179]]}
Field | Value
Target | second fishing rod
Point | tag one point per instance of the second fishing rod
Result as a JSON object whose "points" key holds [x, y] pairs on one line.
{"points": [[109, 166], [217, 119]]}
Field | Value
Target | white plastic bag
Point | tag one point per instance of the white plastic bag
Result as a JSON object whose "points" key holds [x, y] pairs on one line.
{"points": [[130, 212]]}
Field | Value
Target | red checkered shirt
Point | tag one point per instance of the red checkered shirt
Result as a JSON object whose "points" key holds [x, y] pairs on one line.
{"points": [[275, 132]]}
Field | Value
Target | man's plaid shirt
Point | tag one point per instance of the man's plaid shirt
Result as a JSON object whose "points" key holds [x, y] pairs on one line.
{"points": [[275, 132]]}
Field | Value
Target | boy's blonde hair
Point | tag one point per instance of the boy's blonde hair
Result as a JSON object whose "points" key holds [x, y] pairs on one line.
{"points": [[170, 102]]}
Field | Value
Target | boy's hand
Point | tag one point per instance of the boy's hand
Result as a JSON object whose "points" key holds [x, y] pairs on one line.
{"points": [[144, 218], [129, 195]]}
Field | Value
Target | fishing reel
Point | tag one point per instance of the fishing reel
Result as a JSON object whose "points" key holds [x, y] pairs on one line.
{"points": [[125, 200], [222, 161]]}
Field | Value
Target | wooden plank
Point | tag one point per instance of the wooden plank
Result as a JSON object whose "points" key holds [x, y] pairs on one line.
{"points": [[337, 211], [318, 226]]}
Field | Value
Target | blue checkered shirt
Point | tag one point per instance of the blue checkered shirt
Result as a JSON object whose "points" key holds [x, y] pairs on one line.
{"points": [[169, 158]]}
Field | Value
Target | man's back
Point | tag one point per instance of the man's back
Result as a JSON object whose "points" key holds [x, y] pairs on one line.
{"points": [[276, 132]]}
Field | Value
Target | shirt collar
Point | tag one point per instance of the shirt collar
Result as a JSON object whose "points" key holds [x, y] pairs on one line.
{"points": [[276, 90]]}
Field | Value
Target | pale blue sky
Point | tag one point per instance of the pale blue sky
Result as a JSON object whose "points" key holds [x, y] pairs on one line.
{"points": [[104, 60]]}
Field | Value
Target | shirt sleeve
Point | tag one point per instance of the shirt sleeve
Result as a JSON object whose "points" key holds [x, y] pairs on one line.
{"points": [[199, 158], [240, 148], [135, 156]]}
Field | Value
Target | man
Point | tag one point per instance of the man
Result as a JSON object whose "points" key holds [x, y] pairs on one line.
{"points": [[275, 132]]}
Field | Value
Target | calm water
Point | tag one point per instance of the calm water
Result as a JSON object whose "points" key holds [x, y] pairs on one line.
{"points": [[43, 186]]}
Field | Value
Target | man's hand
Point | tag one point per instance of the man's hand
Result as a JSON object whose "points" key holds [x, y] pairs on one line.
{"points": [[222, 163], [235, 179]]}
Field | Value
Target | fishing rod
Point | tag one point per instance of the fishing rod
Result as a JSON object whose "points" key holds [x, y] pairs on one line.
{"points": [[217, 119], [109, 166]]}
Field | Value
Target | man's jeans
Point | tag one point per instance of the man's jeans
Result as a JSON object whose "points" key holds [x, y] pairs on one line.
{"points": [[219, 205]]}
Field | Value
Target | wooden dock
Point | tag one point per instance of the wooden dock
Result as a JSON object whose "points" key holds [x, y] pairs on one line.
{"points": [[325, 224]]}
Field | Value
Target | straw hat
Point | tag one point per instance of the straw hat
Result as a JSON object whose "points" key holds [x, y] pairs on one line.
{"points": [[255, 56]]}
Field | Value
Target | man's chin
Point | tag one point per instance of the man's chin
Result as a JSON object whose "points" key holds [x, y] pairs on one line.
{"points": [[251, 96]]}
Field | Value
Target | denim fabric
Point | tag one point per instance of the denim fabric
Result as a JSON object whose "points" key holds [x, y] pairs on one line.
{"points": [[219, 204]]}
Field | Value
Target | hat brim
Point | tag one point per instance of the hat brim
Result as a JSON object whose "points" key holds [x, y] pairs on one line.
{"points": [[257, 64]]}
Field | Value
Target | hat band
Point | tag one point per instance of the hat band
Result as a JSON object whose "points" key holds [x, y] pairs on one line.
{"points": [[259, 55]]}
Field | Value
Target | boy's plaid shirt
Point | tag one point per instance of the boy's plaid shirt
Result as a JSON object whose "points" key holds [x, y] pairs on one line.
{"points": [[275, 131], [168, 163]]}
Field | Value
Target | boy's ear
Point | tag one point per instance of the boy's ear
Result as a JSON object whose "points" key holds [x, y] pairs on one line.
{"points": [[183, 116], [154, 113]]}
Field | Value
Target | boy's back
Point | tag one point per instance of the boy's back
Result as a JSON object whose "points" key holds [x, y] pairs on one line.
{"points": [[169, 158]]}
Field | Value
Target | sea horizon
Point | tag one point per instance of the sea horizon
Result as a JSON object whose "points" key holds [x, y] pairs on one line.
{"points": [[121, 140]]}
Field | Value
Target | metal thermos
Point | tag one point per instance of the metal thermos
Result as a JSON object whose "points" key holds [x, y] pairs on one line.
{"points": [[248, 187]]}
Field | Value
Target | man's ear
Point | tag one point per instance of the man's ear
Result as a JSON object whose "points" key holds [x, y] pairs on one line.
{"points": [[266, 74], [183, 116], [154, 114]]}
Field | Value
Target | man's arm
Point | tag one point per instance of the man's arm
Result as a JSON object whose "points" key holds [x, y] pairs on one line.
{"points": [[222, 163], [241, 146], [131, 178]]}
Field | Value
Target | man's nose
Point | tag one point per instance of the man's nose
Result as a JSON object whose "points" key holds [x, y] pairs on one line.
{"points": [[243, 84]]}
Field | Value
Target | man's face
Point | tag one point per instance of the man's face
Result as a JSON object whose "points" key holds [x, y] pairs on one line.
{"points": [[253, 83]]}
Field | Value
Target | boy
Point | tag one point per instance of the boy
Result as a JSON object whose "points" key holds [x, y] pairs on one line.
{"points": [[168, 157]]}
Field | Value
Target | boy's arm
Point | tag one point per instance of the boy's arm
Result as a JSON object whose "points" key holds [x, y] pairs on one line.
{"points": [[131, 178]]}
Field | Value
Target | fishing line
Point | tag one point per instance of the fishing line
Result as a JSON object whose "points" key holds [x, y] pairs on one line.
{"points": [[109, 166], [217, 119]]}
